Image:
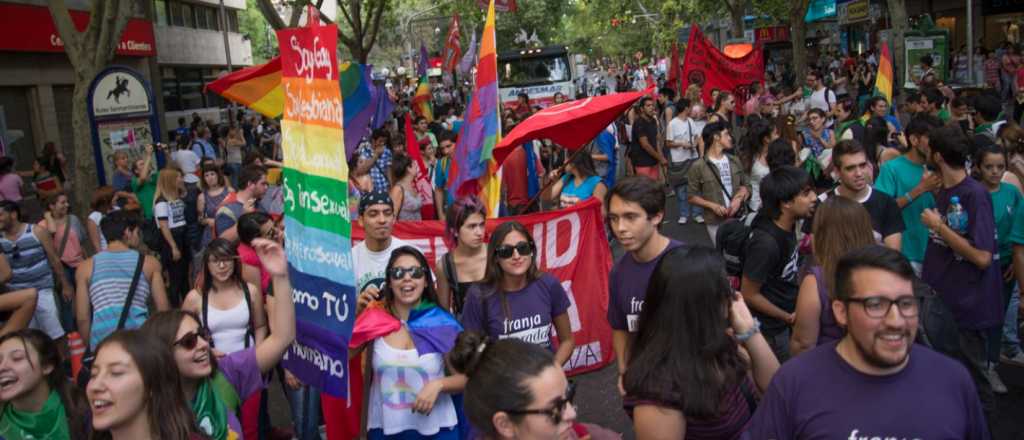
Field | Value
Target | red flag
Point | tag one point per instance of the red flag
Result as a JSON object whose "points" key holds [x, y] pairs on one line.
{"points": [[570, 124], [452, 47], [674, 70], [706, 65], [422, 182]]}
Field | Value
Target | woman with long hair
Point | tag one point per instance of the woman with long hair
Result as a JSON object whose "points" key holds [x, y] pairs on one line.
{"points": [[849, 124], [39, 400], [214, 194], [12, 187], [879, 136], [843, 224], [579, 182], [403, 190], [205, 379], [517, 300], [134, 395], [514, 389], [169, 211], [699, 358], [229, 307], [465, 264], [753, 153], [408, 295]]}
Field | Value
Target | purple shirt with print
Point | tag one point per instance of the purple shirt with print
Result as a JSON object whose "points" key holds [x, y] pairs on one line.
{"points": [[972, 294], [627, 286], [818, 395], [531, 311]]}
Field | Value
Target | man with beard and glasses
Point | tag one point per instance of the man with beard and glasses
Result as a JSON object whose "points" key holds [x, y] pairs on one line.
{"points": [[636, 206], [875, 382], [961, 260]]}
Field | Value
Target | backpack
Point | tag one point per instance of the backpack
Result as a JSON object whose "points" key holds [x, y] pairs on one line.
{"points": [[731, 241], [937, 328]]}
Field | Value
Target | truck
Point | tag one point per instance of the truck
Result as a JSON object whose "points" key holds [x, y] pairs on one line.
{"points": [[538, 72]]}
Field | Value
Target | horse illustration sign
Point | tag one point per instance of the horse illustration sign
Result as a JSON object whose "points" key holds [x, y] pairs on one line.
{"points": [[122, 115], [119, 93]]}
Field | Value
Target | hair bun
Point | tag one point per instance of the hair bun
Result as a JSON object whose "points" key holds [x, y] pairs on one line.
{"points": [[468, 350]]}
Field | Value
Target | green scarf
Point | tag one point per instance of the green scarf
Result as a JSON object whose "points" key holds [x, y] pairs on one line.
{"points": [[210, 413], [48, 423]]}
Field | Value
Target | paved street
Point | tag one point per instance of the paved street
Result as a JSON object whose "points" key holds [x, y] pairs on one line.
{"points": [[598, 401]]}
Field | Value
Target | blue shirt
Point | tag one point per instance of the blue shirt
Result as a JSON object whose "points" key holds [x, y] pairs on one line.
{"points": [[572, 194], [379, 170], [204, 149]]}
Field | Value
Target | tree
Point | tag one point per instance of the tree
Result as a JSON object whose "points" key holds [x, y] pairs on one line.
{"points": [[253, 24], [358, 30], [898, 19], [798, 33], [89, 52], [541, 16], [736, 9]]}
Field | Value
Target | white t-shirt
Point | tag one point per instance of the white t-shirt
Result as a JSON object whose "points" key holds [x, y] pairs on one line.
{"points": [[726, 173], [682, 130], [189, 163], [95, 217], [173, 211], [399, 375], [818, 100], [370, 266]]}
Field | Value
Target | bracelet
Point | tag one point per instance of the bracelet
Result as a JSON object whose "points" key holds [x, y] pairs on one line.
{"points": [[908, 197], [754, 329]]}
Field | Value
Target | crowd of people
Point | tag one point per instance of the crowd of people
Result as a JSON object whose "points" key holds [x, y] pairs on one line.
{"points": [[825, 207]]}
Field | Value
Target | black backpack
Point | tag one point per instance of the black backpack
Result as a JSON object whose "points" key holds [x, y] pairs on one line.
{"points": [[731, 241], [937, 328]]}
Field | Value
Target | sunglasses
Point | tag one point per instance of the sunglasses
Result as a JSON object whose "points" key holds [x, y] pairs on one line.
{"points": [[557, 410], [190, 339], [524, 248], [397, 273]]}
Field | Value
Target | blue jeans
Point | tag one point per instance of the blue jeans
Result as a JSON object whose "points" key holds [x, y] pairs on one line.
{"points": [[305, 403], [686, 210], [1011, 340]]}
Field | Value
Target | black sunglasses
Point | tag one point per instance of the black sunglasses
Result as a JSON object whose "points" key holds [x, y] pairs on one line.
{"points": [[398, 273], [557, 410], [524, 248], [190, 339]]}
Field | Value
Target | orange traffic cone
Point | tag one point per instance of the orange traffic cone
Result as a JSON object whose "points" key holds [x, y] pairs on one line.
{"points": [[77, 348]]}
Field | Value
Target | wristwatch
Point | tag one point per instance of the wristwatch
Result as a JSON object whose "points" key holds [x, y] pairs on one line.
{"points": [[754, 329]]}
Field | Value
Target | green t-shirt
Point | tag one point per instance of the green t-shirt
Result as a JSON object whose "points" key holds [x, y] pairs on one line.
{"points": [[944, 115], [145, 191], [1005, 202], [896, 179]]}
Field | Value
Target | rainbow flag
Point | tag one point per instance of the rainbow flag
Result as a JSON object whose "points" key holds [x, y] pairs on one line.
{"points": [[473, 167], [421, 100], [883, 81], [357, 100], [256, 87]]}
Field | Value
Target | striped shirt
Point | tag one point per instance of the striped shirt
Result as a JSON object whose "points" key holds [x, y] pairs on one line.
{"points": [[736, 410], [29, 265], [108, 289]]}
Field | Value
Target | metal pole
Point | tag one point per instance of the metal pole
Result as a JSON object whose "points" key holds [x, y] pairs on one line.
{"points": [[970, 42]]}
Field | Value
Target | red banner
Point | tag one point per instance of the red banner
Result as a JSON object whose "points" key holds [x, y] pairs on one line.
{"points": [[452, 47], [27, 28], [704, 64], [572, 246], [499, 5]]}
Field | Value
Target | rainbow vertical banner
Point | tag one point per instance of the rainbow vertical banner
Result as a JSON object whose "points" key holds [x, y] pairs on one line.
{"points": [[316, 211]]}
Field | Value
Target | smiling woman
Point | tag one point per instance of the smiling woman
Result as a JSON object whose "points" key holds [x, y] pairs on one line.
{"points": [[40, 402]]}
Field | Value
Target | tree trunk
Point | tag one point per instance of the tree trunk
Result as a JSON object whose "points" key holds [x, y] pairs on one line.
{"points": [[736, 16], [899, 26], [83, 176], [798, 34]]}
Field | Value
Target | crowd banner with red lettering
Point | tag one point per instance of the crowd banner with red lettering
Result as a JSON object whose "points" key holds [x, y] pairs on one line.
{"points": [[315, 185], [572, 246], [704, 64]]}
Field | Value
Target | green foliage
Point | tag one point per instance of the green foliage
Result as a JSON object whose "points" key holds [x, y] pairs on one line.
{"points": [[253, 25], [545, 17]]}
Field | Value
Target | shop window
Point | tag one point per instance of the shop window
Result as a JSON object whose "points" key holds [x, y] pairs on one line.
{"points": [[14, 109], [187, 16], [213, 17], [177, 14], [232, 20], [201, 22]]}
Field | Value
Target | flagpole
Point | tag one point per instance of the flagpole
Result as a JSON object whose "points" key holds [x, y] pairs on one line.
{"points": [[548, 185]]}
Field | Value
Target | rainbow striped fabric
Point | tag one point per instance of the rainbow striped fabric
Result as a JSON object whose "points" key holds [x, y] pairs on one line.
{"points": [[256, 87], [883, 81], [473, 167], [421, 100], [315, 187]]}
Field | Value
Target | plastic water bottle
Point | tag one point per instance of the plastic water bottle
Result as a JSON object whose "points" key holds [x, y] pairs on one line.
{"points": [[956, 217]]}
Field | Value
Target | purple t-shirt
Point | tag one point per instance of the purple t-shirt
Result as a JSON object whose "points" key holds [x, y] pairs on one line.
{"points": [[627, 286], [531, 311], [243, 372], [818, 395], [973, 295]]}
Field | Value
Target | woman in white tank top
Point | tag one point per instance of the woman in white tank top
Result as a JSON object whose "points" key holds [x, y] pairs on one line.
{"points": [[229, 307]]}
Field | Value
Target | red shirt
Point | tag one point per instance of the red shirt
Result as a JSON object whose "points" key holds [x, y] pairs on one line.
{"points": [[513, 178]]}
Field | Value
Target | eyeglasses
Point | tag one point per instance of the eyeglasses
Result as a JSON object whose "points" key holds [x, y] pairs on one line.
{"points": [[878, 306], [557, 410], [190, 339], [524, 248], [398, 273], [220, 262]]}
